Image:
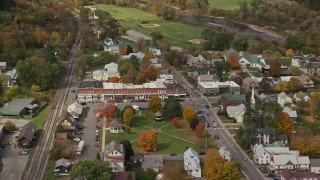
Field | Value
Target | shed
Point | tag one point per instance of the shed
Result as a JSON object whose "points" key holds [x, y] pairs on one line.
{"points": [[18, 107]]}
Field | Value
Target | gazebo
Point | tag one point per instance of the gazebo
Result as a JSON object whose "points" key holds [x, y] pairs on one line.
{"points": [[158, 116], [115, 127]]}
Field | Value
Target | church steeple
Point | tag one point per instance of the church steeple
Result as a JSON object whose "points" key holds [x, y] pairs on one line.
{"points": [[252, 101]]}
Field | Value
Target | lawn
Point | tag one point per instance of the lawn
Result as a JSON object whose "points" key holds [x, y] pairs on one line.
{"points": [[170, 139], [40, 119], [48, 175], [227, 4], [172, 31]]}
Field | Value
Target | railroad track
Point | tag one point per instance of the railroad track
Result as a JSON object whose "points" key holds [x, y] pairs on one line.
{"points": [[40, 158]]}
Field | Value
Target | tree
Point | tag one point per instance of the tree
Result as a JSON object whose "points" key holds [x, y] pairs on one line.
{"points": [[289, 53], [128, 116], [231, 171], [123, 50], [173, 172], [213, 165], [176, 122], [60, 129], [35, 88], [295, 71], [199, 130], [296, 42], [294, 85], [173, 58], [156, 36], [284, 124], [281, 87], [172, 108], [127, 148], [11, 92], [91, 169], [149, 174], [152, 72], [125, 79], [114, 79], [144, 64], [233, 61], [194, 123], [275, 67], [140, 79], [139, 44], [315, 105], [62, 149], [148, 140], [9, 127], [148, 55], [189, 113], [240, 43], [155, 104], [265, 84], [168, 13], [222, 41]]}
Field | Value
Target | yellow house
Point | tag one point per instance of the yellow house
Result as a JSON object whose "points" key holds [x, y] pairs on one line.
{"points": [[68, 122]]}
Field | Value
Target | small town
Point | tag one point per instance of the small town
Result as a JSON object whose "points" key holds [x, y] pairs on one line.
{"points": [[160, 90]]}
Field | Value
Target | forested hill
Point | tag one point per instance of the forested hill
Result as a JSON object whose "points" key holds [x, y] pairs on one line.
{"points": [[35, 38]]}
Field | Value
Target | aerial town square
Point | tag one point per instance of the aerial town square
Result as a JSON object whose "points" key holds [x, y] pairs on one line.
{"points": [[160, 90]]}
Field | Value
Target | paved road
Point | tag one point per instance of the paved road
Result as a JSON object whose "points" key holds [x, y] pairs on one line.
{"points": [[14, 163], [247, 167]]}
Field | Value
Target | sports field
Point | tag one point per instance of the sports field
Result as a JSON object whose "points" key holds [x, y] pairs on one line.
{"points": [[172, 31], [227, 4]]}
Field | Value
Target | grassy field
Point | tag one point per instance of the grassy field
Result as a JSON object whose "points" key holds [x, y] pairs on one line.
{"points": [[172, 31], [40, 119], [170, 139], [227, 4]]}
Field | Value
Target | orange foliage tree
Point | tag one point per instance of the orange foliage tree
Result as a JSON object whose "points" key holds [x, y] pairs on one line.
{"points": [[108, 112], [213, 165], [139, 44], [152, 72], [233, 61], [176, 122], [148, 55], [123, 50], [315, 105], [114, 79], [275, 67], [189, 113], [304, 145], [199, 130], [40, 37], [148, 140], [284, 124], [155, 104]]}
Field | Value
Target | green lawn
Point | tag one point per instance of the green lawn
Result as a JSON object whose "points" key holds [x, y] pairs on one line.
{"points": [[170, 139], [227, 4], [172, 31], [40, 119], [48, 175]]}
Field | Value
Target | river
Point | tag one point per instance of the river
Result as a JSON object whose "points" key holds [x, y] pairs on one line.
{"points": [[242, 29]]}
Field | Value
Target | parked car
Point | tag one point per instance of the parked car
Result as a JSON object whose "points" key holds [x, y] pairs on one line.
{"points": [[173, 154], [207, 106], [216, 108], [76, 139], [23, 152], [97, 127], [97, 138], [97, 130], [86, 108], [79, 132], [83, 103], [201, 153]]}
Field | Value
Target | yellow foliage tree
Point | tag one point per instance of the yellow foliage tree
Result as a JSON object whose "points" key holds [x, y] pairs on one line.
{"points": [[284, 124], [213, 165], [303, 145], [233, 61], [189, 113], [231, 171], [148, 140], [281, 87], [289, 53], [315, 105]]}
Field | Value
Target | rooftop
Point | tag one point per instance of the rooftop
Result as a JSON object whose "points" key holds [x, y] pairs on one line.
{"points": [[15, 106], [216, 84], [91, 84]]}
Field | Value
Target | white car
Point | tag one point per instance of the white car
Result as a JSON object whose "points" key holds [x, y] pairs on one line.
{"points": [[136, 107], [76, 139], [97, 130], [216, 108]]}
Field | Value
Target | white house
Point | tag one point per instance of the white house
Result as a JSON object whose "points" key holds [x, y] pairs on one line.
{"points": [[192, 163], [13, 75], [225, 154], [191, 60], [283, 99], [262, 155], [139, 55], [292, 114], [110, 70], [251, 60], [290, 161], [236, 112], [315, 165], [301, 96], [114, 154], [155, 51], [75, 110], [265, 135]]}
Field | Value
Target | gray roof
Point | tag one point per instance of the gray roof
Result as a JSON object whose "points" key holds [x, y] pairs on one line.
{"points": [[115, 123], [91, 84], [62, 162], [152, 161], [27, 131], [315, 162], [282, 137], [270, 131], [158, 113], [114, 145], [16, 106]]}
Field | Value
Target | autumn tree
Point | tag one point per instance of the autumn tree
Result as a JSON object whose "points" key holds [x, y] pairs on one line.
{"points": [[213, 165], [275, 67], [144, 64], [122, 50], [128, 116], [233, 61], [155, 104], [194, 123], [199, 130], [152, 72], [125, 79], [140, 79], [284, 124], [114, 80], [304, 145], [148, 55], [293, 85], [172, 171], [231, 171], [289, 53], [315, 105], [138, 45], [148, 140], [189, 113], [281, 87], [62, 149], [176, 122]]}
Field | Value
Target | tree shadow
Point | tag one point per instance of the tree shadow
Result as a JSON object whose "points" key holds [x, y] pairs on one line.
{"points": [[163, 146]]}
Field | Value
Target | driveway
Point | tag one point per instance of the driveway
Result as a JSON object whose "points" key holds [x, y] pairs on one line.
{"points": [[13, 163]]}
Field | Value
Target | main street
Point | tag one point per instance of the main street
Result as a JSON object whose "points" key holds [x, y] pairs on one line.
{"points": [[247, 166], [40, 158]]}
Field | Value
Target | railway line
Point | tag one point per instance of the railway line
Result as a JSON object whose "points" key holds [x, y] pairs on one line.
{"points": [[40, 158]]}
